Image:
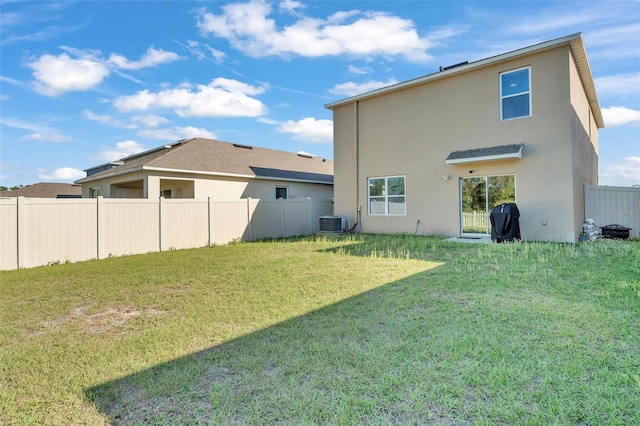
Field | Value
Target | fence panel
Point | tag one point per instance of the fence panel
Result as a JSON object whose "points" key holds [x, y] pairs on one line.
{"points": [[296, 220], [229, 220], [65, 231], [186, 224], [8, 233], [130, 226], [38, 231], [267, 219], [608, 205]]}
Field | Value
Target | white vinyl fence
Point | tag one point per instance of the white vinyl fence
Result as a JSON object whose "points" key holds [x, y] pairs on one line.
{"points": [[613, 205], [475, 219], [40, 231]]}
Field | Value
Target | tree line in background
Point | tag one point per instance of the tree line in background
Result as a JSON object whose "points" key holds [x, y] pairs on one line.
{"points": [[6, 188]]}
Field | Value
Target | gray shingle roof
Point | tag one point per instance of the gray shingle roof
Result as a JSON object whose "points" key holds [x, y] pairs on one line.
{"points": [[485, 154], [45, 190], [216, 157]]}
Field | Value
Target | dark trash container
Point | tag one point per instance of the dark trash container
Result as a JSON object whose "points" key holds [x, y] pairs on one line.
{"points": [[505, 222], [615, 231]]}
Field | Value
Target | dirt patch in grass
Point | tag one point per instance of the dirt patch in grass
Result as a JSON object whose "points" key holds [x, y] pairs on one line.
{"points": [[105, 320]]}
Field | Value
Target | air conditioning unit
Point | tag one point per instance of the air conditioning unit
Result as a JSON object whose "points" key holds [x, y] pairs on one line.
{"points": [[333, 224]]}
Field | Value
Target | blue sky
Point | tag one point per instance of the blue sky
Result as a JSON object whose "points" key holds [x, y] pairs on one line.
{"points": [[86, 82]]}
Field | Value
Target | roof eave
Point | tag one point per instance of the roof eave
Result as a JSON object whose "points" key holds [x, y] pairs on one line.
{"points": [[584, 70], [93, 178], [293, 180]]}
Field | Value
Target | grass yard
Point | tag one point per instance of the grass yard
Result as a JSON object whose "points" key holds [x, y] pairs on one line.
{"points": [[328, 330]]}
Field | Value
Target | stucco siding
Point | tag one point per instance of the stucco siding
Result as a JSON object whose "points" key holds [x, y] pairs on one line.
{"points": [[345, 179], [193, 185], [410, 132]]}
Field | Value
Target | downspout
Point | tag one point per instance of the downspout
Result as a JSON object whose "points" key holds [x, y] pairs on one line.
{"points": [[357, 156]]}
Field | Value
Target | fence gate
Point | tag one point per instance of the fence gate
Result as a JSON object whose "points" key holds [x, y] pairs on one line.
{"points": [[608, 205]]}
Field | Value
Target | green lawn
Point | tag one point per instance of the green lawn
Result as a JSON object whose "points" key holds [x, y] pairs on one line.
{"points": [[328, 330]]}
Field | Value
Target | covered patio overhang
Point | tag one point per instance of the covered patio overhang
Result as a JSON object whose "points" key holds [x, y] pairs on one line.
{"points": [[502, 152]]}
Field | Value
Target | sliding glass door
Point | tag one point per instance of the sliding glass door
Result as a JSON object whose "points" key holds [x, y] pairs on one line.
{"points": [[478, 196]]}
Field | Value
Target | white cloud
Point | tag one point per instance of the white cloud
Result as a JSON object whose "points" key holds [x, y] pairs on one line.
{"points": [[217, 55], [308, 129], [48, 136], [151, 58], [61, 174], [40, 132], [106, 120], [220, 98], [351, 89], [626, 173], [620, 116], [623, 85], [290, 6], [249, 29], [359, 70], [120, 150], [58, 74], [84, 69], [177, 133], [149, 120], [4, 97]]}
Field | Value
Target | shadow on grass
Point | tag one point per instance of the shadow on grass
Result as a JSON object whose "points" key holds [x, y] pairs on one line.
{"points": [[358, 360]]}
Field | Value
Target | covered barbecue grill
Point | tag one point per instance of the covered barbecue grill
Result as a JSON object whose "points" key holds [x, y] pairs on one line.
{"points": [[505, 222]]}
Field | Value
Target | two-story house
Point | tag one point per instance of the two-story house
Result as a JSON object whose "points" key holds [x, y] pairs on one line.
{"points": [[435, 154]]}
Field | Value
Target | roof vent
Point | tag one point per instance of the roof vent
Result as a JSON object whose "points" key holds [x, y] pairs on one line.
{"points": [[237, 145], [453, 66], [305, 155]]}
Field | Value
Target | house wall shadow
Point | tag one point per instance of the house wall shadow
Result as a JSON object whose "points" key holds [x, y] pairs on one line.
{"points": [[299, 370]]}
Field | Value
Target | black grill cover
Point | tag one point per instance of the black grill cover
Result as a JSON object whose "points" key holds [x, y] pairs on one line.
{"points": [[505, 222]]}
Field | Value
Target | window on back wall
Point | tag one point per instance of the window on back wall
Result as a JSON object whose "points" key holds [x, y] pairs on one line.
{"points": [[94, 192], [282, 192], [386, 196], [515, 94]]}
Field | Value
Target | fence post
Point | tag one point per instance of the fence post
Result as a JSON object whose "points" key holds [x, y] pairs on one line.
{"points": [[161, 227], [209, 222], [281, 217], [310, 215], [249, 218], [100, 227], [21, 231]]}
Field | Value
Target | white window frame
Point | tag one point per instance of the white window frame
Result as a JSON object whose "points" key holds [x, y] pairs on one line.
{"points": [[386, 196], [513, 95], [94, 192]]}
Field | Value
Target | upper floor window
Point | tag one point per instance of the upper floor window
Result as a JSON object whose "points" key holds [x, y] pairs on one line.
{"points": [[515, 94], [386, 196]]}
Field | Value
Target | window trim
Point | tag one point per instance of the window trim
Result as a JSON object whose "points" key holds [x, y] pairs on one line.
{"points": [[94, 192], [528, 92], [386, 195]]}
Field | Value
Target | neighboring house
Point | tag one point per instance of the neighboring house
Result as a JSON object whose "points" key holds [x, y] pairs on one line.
{"points": [[46, 190], [434, 155], [201, 168]]}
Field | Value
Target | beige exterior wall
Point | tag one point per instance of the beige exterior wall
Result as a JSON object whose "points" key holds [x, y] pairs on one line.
{"points": [[410, 132], [149, 184]]}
